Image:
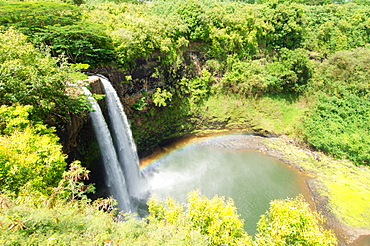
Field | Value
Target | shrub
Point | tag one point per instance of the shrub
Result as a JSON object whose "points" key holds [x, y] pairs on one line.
{"points": [[291, 222], [345, 72], [214, 218], [30, 156], [339, 126]]}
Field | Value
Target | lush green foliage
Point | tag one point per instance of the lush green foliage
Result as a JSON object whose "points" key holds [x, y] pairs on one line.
{"points": [[30, 155], [338, 123], [161, 96], [291, 222], [214, 218], [345, 72], [30, 17], [196, 90], [79, 42], [336, 27], [286, 25], [57, 219], [290, 73], [31, 77], [341, 126], [31, 219], [220, 64], [59, 26]]}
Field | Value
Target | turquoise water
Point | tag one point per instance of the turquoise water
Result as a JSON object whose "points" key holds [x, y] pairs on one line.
{"points": [[249, 177]]}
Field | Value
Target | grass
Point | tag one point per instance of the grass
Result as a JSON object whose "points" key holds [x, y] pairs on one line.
{"points": [[277, 115], [346, 185], [348, 188]]}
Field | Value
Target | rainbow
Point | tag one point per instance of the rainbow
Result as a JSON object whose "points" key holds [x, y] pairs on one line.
{"points": [[150, 163], [147, 165]]}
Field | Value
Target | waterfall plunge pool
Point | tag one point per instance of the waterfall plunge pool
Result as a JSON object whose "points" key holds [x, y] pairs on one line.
{"points": [[222, 166]]}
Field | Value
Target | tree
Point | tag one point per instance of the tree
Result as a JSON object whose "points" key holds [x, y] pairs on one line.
{"points": [[80, 42], [286, 25], [299, 67], [245, 78], [30, 17], [193, 14], [32, 77], [59, 26], [340, 126], [345, 72]]}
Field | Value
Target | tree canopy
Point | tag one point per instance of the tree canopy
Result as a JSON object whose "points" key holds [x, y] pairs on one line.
{"points": [[29, 76]]}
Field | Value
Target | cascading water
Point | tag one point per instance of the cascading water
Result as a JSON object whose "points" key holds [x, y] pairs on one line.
{"points": [[114, 176], [125, 146], [118, 150]]}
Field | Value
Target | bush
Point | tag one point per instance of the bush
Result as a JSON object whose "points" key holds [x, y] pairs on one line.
{"points": [[31, 219], [339, 126], [291, 222], [80, 43], [214, 218], [30, 17], [245, 78], [59, 26], [336, 27], [30, 156], [289, 72], [285, 20], [345, 72], [298, 70]]}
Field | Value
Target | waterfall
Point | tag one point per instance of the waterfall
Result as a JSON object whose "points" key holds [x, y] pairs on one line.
{"points": [[114, 176], [121, 162], [124, 143]]}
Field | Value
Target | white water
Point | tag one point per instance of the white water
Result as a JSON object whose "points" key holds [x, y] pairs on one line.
{"points": [[114, 176], [123, 141]]}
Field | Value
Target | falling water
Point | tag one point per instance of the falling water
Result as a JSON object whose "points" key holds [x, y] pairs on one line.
{"points": [[114, 176], [125, 146]]}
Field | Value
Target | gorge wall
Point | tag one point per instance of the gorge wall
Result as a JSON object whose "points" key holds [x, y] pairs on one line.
{"points": [[152, 125]]}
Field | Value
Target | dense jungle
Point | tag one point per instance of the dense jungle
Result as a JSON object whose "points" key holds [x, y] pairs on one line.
{"points": [[295, 72]]}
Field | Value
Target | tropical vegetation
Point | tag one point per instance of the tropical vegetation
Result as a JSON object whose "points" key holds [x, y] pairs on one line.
{"points": [[274, 67]]}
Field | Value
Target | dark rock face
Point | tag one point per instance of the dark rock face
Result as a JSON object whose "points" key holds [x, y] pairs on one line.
{"points": [[149, 74], [77, 134], [264, 133], [135, 86], [71, 132], [136, 79], [144, 68]]}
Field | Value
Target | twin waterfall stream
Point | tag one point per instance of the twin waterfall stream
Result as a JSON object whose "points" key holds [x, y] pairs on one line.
{"points": [[118, 150]]}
